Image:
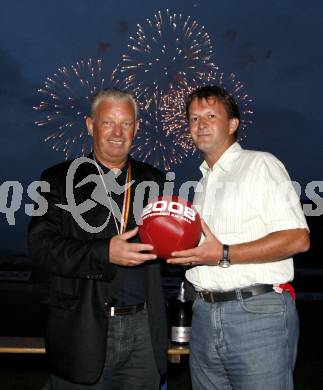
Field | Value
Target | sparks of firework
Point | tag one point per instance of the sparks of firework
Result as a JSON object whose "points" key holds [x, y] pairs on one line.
{"points": [[167, 52], [174, 118], [152, 144], [65, 104], [174, 115], [236, 88]]}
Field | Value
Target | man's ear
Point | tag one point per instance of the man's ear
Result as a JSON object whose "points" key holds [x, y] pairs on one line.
{"points": [[136, 127], [89, 125], [233, 125]]}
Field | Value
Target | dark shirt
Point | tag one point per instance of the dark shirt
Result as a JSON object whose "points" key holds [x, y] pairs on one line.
{"points": [[129, 287]]}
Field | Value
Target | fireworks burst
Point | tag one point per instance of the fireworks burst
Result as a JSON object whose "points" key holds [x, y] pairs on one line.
{"points": [[236, 89], [169, 51], [167, 58], [152, 143], [174, 115], [65, 104]]}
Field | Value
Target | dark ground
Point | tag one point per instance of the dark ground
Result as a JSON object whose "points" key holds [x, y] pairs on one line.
{"points": [[21, 315]]}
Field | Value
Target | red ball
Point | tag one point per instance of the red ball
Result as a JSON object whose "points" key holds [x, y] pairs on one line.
{"points": [[170, 224]]}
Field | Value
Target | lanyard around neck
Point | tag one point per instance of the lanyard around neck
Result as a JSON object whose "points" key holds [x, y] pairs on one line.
{"points": [[126, 198]]}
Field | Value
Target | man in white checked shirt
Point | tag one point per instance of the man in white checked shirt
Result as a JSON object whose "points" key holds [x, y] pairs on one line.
{"points": [[245, 325]]}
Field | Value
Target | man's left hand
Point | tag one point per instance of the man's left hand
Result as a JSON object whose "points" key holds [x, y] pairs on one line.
{"points": [[208, 253]]}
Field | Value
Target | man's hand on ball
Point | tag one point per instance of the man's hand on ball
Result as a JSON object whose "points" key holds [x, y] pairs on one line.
{"points": [[208, 253], [129, 254]]}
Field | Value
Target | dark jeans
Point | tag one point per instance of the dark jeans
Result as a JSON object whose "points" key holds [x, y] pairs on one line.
{"points": [[130, 362]]}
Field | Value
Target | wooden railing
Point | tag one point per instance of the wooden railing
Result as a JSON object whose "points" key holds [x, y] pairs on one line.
{"points": [[36, 345]]}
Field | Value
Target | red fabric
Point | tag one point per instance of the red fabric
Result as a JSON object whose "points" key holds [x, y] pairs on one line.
{"points": [[288, 287]]}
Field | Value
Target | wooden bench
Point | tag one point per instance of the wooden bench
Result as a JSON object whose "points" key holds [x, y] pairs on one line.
{"points": [[36, 345], [22, 345]]}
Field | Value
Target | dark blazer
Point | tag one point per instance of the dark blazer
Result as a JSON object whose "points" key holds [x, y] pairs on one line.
{"points": [[77, 263]]}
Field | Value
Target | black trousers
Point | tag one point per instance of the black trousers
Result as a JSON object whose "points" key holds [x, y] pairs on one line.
{"points": [[130, 362]]}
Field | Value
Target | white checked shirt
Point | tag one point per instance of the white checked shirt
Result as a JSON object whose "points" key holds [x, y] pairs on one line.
{"points": [[245, 196]]}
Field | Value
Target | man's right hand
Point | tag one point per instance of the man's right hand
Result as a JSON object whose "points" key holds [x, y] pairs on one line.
{"points": [[129, 254]]}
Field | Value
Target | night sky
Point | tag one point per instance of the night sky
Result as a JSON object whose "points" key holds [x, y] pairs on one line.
{"points": [[274, 48]]}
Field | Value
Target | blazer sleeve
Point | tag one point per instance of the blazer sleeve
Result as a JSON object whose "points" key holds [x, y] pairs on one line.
{"points": [[54, 251]]}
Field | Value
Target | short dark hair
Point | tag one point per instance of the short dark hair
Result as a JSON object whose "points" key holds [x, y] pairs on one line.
{"points": [[219, 93]]}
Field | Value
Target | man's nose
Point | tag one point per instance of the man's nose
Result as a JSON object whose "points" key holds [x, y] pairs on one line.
{"points": [[202, 123], [117, 129]]}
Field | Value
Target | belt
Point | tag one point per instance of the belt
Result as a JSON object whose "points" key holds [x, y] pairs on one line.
{"points": [[247, 292], [126, 310]]}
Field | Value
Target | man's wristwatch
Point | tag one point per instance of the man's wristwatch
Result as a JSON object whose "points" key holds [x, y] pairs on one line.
{"points": [[225, 260]]}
